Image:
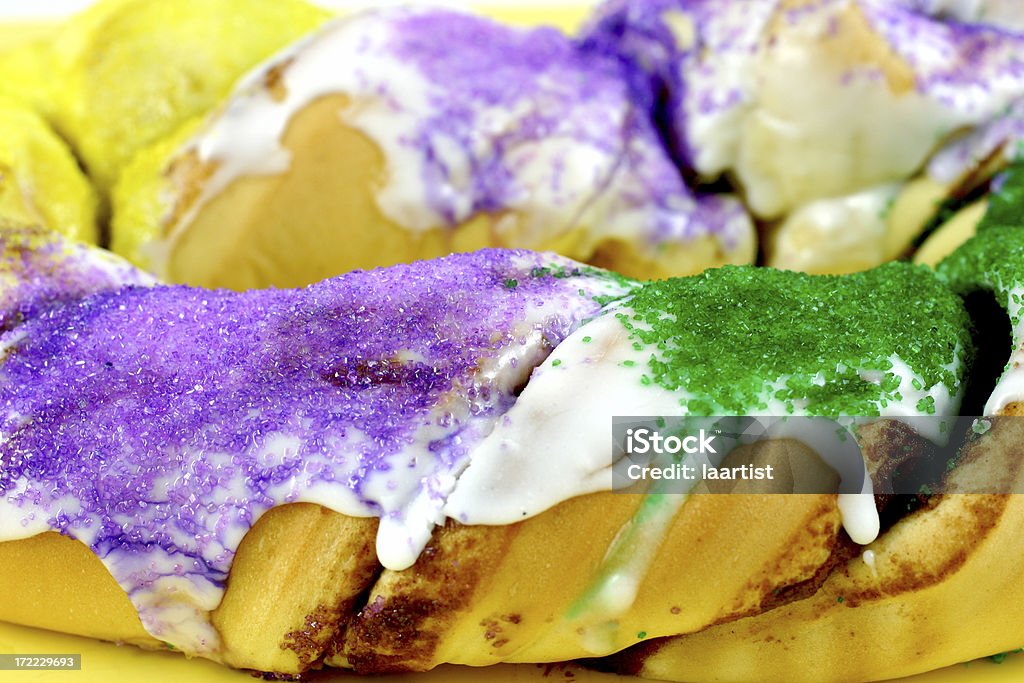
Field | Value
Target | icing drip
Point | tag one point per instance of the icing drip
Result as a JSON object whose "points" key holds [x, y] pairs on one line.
{"points": [[628, 560], [870, 560]]}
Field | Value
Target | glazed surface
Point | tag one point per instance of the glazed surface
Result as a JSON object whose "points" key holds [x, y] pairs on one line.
{"points": [[157, 425]]}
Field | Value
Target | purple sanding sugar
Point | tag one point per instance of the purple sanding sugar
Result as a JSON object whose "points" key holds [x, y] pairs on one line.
{"points": [[641, 34], [40, 269], [150, 419], [960, 65], [495, 66], [584, 98]]}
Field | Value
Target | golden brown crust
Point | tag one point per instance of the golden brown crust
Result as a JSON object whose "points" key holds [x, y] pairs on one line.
{"points": [[403, 631], [481, 595], [293, 585]]}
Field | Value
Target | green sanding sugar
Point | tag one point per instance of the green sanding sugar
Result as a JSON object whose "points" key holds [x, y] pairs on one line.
{"points": [[992, 260], [726, 337]]}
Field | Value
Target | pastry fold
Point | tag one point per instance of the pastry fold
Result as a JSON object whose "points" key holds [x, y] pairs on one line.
{"points": [[247, 486]]}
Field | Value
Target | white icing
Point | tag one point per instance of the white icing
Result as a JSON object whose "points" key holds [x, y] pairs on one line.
{"points": [[860, 516], [174, 605], [14, 523], [972, 85], [720, 73], [945, 402], [422, 489], [842, 130], [175, 594], [544, 451], [870, 559], [857, 509]]}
